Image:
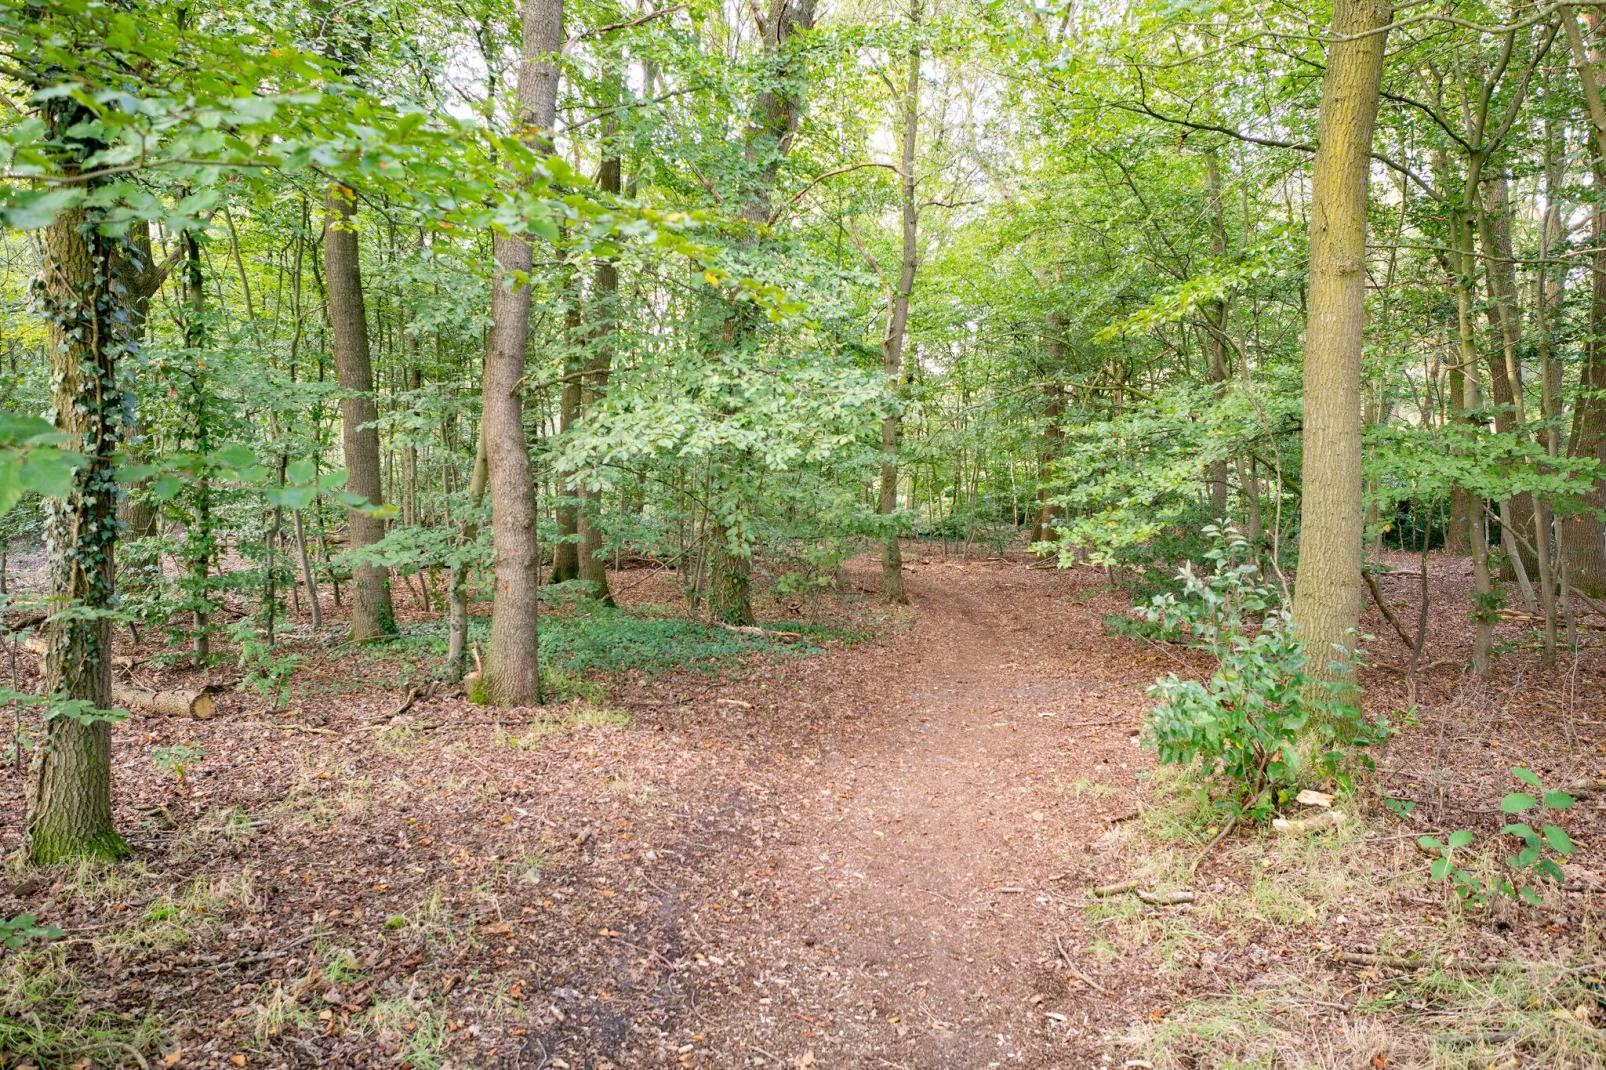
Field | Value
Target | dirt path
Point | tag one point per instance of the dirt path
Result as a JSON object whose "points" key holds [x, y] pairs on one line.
{"points": [[854, 859], [939, 835]]}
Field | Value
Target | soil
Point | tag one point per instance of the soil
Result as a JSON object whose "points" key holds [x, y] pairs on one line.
{"points": [[878, 856]]}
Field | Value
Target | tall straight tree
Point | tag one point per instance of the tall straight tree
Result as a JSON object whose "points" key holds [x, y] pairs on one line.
{"points": [[512, 674], [372, 616], [1583, 538], [898, 319], [1327, 595], [82, 291]]}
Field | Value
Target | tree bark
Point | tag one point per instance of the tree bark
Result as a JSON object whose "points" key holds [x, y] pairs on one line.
{"points": [[1216, 334], [82, 294], [776, 113], [604, 329], [1053, 409], [892, 589], [1583, 539], [372, 615], [1327, 595], [512, 675]]}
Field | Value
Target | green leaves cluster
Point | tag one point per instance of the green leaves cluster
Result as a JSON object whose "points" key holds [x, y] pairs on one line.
{"points": [[1543, 851], [1260, 723]]}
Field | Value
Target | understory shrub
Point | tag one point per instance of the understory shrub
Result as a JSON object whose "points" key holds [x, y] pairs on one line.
{"points": [[1260, 723]]}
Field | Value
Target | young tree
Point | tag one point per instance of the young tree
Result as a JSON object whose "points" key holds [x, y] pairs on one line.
{"points": [[898, 316]]}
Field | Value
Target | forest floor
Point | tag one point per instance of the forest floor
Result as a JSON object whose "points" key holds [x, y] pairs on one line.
{"points": [[874, 847]]}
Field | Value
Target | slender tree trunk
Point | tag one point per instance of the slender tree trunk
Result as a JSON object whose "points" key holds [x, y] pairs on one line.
{"points": [[512, 671], [1053, 410], [898, 324], [604, 330], [1583, 539], [457, 620], [82, 295], [1216, 333], [1327, 597], [199, 542], [566, 552], [372, 616]]}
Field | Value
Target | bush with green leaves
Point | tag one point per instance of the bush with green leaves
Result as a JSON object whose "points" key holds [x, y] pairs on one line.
{"points": [[1260, 723], [1544, 849]]}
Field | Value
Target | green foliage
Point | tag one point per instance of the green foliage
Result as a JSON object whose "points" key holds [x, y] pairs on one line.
{"points": [[1247, 729], [1540, 858], [17, 931], [268, 670], [175, 760], [613, 641]]}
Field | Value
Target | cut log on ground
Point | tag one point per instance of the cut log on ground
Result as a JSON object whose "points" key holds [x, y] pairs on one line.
{"points": [[195, 704]]}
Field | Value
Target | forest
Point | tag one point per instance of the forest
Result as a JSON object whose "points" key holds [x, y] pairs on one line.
{"points": [[882, 533]]}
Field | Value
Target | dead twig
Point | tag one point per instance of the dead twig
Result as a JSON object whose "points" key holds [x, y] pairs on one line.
{"points": [[1078, 974]]}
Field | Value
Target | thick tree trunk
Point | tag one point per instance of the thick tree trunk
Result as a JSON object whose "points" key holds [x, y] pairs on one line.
{"points": [[512, 674], [1327, 596], [898, 324], [372, 616], [70, 813]]}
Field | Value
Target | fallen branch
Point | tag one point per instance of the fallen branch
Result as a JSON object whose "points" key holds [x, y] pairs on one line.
{"points": [[748, 629], [1388, 613], [1400, 962], [1156, 899], [1328, 819]]}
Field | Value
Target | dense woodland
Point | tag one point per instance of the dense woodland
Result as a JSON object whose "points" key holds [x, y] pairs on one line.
{"points": [[336, 324]]}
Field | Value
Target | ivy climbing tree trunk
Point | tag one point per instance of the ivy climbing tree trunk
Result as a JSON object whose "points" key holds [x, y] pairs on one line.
{"points": [[777, 109], [512, 675], [898, 322], [1327, 594], [82, 293], [372, 616]]}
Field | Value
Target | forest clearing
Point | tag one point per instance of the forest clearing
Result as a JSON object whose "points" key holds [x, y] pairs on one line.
{"points": [[891, 533]]}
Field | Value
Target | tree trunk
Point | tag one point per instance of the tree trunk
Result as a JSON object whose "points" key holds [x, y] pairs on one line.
{"points": [[372, 616], [1216, 334], [1505, 361], [776, 112], [1053, 409], [457, 621], [566, 552], [82, 297], [1583, 539], [897, 325], [604, 329], [512, 674], [1327, 595]]}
